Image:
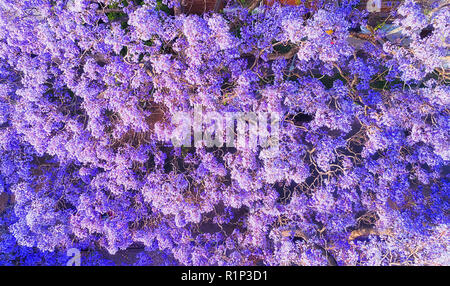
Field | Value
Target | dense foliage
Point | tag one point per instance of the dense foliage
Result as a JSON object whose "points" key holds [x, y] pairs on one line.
{"points": [[88, 90]]}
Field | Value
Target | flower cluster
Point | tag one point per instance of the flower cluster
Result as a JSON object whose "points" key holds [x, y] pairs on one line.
{"points": [[88, 94]]}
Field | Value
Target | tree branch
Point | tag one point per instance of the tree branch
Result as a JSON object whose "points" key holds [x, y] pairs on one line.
{"points": [[218, 5], [286, 56], [254, 4]]}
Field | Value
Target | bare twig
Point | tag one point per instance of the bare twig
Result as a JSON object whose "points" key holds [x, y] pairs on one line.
{"points": [[294, 233], [286, 56], [366, 232]]}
